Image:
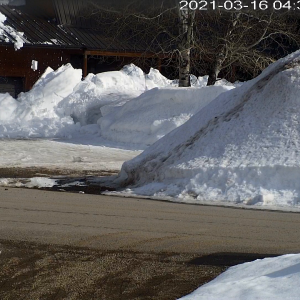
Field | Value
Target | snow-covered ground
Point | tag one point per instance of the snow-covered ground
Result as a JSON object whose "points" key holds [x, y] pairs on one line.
{"points": [[268, 279], [60, 155]]}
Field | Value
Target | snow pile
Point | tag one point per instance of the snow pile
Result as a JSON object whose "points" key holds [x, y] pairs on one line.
{"points": [[110, 89], [270, 278], [242, 148], [201, 81], [130, 106], [155, 113], [8, 106], [33, 113], [156, 79], [8, 34]]}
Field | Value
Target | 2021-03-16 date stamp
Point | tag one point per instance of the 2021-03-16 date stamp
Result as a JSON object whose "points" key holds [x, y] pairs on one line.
{"points": [[238, 5]]}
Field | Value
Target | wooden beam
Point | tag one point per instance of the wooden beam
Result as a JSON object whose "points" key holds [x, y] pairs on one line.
{"points": [[125, 54]]}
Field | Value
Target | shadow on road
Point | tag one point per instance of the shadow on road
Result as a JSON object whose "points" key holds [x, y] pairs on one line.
{"points": [[227, 259]]}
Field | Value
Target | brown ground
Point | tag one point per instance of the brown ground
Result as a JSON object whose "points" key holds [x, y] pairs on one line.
{"points": [[34, 271], [44, 172]]}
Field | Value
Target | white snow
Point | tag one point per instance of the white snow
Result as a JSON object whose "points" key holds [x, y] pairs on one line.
{"points": [[269, 279], [59, 155], [35, 182], [33, 113], [155, 113], [234, 146], [61, 105], [109, 88], [8, 34], [241, 149]]}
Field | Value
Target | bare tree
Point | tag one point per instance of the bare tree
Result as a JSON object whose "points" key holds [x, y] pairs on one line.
{"points": [[185, 43], [213, 41], [160, 27], [249, 41]]}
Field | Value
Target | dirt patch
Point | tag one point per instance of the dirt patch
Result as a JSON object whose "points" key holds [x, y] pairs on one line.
{"points": [[67, 180], [45, 172], [33, 271]]}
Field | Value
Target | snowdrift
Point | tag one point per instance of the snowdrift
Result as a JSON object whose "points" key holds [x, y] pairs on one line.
{"points": [[61, 105], [242, 148], [33, 113], [109, 89], [155, 113], [270, 278]]}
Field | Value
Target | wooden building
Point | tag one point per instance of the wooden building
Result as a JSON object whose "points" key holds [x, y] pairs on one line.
{"points": [[54, 34]]}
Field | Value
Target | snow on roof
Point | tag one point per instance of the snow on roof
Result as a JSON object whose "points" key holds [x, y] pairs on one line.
{"points": [[38, 30], [242, 148], [12, 2], [9, 34]]}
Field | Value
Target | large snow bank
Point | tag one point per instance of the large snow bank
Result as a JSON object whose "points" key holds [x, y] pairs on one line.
{"points": [[155, 113], [33, 113], [8, 34], [59, 100], [62, 105], [110, 89], [270, 278], [242, 148]]}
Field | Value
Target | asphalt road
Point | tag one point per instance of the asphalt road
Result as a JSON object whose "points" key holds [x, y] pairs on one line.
{"points": [[112, 223]]}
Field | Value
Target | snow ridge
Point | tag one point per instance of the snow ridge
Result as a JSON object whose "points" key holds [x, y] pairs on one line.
{"points": [[240, 148]]}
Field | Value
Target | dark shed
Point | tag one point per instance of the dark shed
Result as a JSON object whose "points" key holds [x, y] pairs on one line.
{"points": [[55, 33]]}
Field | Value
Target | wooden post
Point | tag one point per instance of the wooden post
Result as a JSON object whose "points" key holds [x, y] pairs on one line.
{"points": [[85, 64], [159, 65]]}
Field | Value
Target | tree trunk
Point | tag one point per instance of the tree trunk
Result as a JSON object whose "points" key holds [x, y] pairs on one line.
{"points": [[216, 68], [222, 51], [184, 68], [212, 78], [186, 18]]}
